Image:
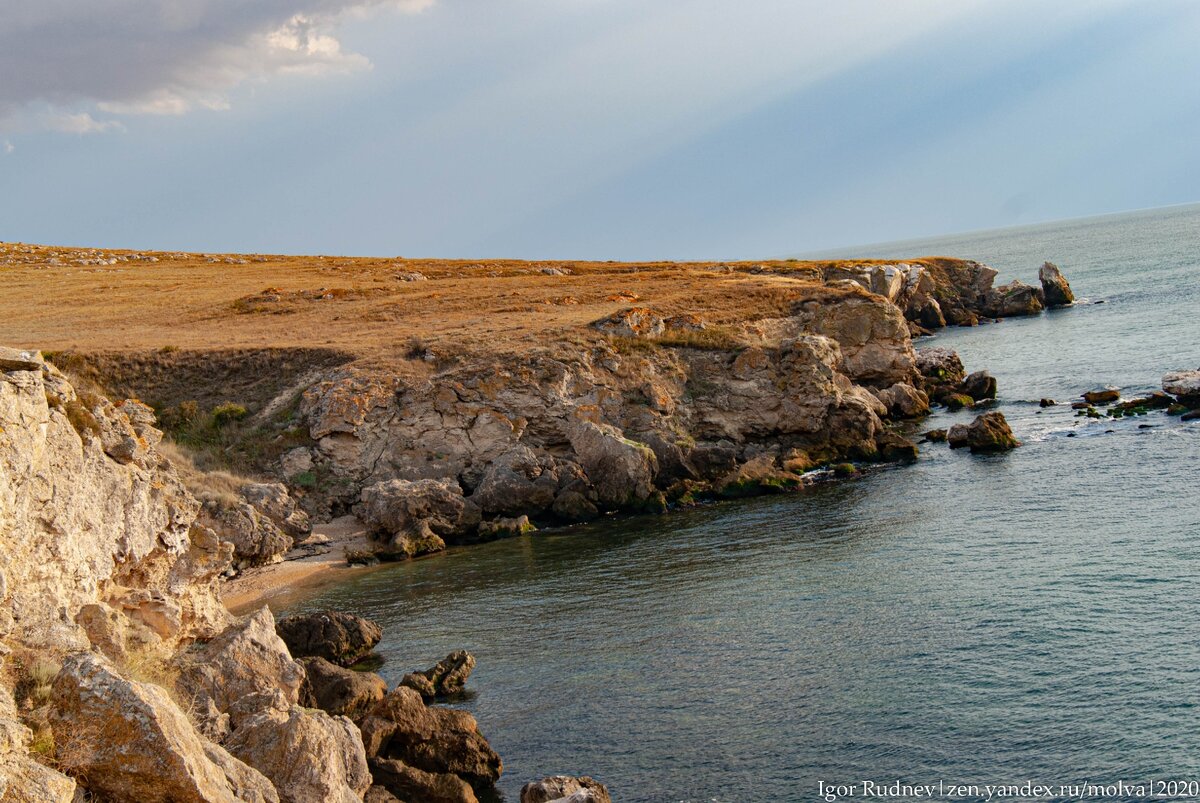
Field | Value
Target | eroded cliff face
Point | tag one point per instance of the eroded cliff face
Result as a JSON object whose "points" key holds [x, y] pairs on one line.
{"points": [[95, 527], [122, 677], [618, 423]]}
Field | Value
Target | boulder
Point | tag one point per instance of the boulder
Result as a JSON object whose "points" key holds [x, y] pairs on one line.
{"points": [[633, 322], [257, 539], [445, 678], [1047, 403], [1013, 300], [410, 783], [1055, 289], [957, 401], [940, 365], [132, 742], [310, 756], [434, 740], [340, 638], [895, 448], [979, 386], [565, 787], [414, 517], [272, 500], [239, 672], [935, 436], [339, 691], [1183, 385], [987, 433], [904, 401], [621, 471], [1102, 396]]}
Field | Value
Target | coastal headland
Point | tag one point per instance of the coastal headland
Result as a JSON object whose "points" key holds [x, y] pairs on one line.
{"points": [[170, 423]]}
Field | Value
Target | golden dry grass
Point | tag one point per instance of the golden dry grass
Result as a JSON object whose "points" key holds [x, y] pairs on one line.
{"points": [[357, 307]]}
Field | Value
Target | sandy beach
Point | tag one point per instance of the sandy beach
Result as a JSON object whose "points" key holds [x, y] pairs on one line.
{"points": [[306, 568]]}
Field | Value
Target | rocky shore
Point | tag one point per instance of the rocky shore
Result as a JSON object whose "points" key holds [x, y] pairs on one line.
{"points": [[126, 678]]}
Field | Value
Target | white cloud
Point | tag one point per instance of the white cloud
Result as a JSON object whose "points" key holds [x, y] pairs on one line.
{"points": [[9, 147], [79, 123], [126, 57]]}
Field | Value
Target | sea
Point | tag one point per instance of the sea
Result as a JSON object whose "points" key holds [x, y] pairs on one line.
{"points": [[1018, 626]]}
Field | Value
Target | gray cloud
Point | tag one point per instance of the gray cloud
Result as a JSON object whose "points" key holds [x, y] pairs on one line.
{"points": [[62, 59]]}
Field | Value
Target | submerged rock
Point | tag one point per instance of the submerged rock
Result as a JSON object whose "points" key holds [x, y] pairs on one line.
{"points": [[1055, 289], [340, 638], [565, 788], [447, 677], [987, 433]]}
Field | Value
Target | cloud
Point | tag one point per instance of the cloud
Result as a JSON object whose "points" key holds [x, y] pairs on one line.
{"points": [[79, 123], [8, 147], [126, 57]]}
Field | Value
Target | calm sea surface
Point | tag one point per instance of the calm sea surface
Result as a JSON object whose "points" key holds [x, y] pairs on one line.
{"points": [[1029, 616]]}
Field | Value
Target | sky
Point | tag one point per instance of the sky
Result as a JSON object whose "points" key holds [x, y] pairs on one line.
{"points": [[585, 129]]}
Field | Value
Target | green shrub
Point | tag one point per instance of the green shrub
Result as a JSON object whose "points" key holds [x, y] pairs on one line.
{"points": [[227, 413]]}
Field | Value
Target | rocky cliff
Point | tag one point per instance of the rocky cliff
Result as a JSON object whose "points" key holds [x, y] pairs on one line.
{"points": [[122, 677]]}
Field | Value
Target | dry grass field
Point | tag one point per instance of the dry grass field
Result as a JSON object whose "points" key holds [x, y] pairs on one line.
{"points": [[90, 301]]}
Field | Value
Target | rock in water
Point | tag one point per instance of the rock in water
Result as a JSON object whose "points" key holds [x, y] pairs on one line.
{"points": [[564, 787], [987, 433], [904, 401], [1055, 288], [1102, 396], [1183, 385], [940, 366], [340, 638], [1013, 300], [447, 677], [436, 741], [979, 386]]}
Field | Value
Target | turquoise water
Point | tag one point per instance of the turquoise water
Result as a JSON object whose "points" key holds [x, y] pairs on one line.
{"points": [[1029, 616]]}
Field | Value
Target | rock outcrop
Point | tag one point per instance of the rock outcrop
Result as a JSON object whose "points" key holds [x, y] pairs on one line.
{"points": [[337, 690], [92, 515], [565, 789], [1014, 299], [445, 678], [340, 638], [987, 433], [414, 517], [1184, 386], [130, 741], [1055, 289], [437, 742], [310, 756]]}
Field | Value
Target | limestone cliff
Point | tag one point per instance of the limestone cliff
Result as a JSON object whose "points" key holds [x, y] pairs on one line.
{"points": [[570, 431]]}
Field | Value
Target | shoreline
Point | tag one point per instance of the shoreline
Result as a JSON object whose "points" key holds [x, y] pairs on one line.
{"points": [[296, 577]]}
